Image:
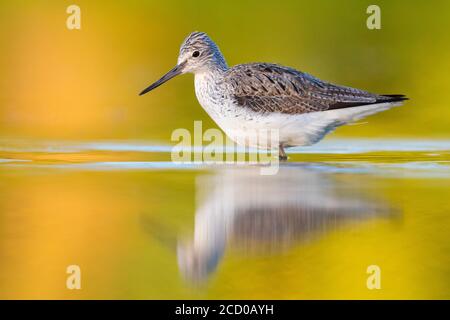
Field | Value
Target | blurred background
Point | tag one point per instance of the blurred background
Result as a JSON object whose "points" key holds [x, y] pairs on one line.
{"points": [[140, 226], [83, 84]]}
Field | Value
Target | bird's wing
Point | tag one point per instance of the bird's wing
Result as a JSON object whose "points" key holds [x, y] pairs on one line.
{"points": [[264, 87]]}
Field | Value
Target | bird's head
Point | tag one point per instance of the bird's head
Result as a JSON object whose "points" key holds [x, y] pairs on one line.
{"points": [[198, 53]]}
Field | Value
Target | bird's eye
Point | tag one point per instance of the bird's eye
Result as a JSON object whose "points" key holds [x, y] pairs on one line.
{"points": [[195, 54]]}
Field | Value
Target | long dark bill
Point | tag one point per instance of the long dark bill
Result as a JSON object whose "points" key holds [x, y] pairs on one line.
{"points": [[169, 75]]}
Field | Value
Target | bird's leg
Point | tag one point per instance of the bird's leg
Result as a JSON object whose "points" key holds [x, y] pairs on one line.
{"points": [[282, 154]]}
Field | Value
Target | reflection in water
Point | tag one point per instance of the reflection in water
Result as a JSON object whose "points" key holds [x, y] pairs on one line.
{"points": [[267, 214]]}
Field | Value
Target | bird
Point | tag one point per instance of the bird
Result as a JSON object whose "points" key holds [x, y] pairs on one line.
{"points": [[262, 97], [296, 206]]}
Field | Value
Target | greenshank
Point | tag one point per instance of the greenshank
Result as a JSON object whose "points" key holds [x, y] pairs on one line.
{"points": [[264, 96]]}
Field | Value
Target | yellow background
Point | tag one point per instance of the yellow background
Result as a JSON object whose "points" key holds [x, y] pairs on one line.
{"points": [[83, 84], [57, 83]]}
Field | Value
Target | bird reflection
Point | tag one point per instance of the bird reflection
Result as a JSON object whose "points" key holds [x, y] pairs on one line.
{"points": [[242, 209]]}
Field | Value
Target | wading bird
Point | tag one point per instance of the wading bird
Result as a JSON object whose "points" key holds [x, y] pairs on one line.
{"points": [[263, 96]]}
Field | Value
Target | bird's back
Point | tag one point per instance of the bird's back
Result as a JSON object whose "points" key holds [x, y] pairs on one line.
{"points": [[264, 87]]}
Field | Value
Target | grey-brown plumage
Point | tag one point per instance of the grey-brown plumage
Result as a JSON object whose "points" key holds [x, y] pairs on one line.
{"points": [[264, 87]]}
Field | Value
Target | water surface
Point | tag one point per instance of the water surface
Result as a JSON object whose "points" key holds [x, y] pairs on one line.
{"points": [[141, 226]]}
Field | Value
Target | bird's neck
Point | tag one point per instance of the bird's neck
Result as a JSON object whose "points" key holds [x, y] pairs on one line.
{"points": [[217, 68], [220, 63], [212, 72]]}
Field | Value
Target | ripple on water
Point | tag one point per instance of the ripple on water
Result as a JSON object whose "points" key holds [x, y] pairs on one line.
{"points": [[380, 157], [328, 146]]}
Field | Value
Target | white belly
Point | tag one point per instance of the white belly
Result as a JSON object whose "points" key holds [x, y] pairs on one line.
{"points": [[268, 130]]}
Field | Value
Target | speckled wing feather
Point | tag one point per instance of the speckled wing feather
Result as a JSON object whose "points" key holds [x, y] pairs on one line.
{"points": [[264, 87]]}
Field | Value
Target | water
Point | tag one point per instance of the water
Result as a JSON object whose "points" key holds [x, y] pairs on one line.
{"points": [[140, 226]]}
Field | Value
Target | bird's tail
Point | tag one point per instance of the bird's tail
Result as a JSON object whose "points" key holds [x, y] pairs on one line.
{"points": [[395, 97]]}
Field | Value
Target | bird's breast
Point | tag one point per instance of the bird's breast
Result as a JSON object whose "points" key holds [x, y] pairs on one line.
{"points": [[218, 102], [210, 93]]}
